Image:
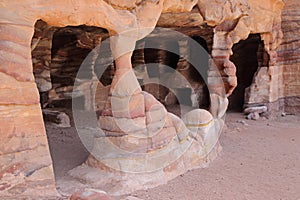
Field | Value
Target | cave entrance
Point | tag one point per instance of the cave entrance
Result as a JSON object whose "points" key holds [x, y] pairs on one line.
{"points": [[152, 64], [247, 57], [57, 55], [160, 64]]}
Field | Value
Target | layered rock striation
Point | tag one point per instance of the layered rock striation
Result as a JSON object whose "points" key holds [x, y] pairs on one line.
{"points": [[25, 162]]}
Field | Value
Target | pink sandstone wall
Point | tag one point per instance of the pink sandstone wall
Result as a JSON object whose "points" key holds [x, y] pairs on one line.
{"points": [[25, 162], [288, 55]]}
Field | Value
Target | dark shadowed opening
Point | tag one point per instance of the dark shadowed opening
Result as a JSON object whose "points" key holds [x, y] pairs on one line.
{"points": [[247, 54], [57, 56]]}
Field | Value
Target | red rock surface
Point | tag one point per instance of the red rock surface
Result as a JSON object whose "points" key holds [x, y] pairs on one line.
{"points": [[25, 162]]}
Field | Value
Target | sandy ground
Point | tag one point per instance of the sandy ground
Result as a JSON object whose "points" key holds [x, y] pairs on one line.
{"points": [[260, 160]]}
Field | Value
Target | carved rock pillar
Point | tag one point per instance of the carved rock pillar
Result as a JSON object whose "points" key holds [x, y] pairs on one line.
{"points": [[221, 65], [25, 163]]}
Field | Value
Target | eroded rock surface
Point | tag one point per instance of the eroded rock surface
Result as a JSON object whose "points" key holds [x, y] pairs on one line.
{"points": [[26, 168], [143, 145]]}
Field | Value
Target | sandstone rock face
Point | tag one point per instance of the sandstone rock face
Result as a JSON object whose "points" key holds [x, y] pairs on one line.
{"points": [[235, 20], [25, 163], [277, 81], [148, 146], [26, 166], [288, 54]]}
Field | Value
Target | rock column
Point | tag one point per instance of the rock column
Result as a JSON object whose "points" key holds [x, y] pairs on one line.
{"points": [[25, 162]]}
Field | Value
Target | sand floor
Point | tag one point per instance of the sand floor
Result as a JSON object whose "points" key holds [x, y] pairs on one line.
{"points": [[260, 160]]}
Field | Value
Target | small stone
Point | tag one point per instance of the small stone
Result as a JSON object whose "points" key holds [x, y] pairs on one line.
{"points": [[249, 116], [253, 116], [242, 122], [283, 114], [57, 118], [257, 109]]}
